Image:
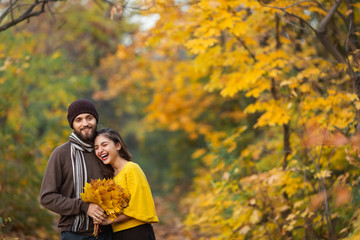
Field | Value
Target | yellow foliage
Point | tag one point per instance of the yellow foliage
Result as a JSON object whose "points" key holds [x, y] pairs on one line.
{"points": [[204, 54], [198, 153], [107, 194], [56, 55], [273, 115], [2, 80], [200, 45]]}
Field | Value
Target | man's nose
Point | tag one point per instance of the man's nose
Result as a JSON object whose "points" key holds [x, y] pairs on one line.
{"points": [[85, 122]]}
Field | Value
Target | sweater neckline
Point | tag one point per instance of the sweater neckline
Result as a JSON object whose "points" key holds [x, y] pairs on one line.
{"points": [[121, 169]]}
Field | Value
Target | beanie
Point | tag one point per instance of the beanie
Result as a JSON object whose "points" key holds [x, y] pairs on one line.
{"points": [[81, 106]]}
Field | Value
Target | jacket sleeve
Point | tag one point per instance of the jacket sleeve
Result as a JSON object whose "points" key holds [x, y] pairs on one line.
{"points": [[141, 204], [52, 193]]}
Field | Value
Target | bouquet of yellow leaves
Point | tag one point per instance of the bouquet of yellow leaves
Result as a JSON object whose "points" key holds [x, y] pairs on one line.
{"points": [[108, 195]]}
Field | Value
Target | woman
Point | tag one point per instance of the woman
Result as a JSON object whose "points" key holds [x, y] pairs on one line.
{"points": [[135, 221]]}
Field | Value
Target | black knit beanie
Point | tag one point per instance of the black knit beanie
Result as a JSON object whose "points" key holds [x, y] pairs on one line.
{"points": [[81, 106]]}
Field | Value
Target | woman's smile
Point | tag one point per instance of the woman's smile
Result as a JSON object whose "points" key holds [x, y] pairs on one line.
{"points": [[104, 156]]}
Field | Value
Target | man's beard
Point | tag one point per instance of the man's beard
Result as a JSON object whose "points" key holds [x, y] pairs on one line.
{"points": [[88, 138]]}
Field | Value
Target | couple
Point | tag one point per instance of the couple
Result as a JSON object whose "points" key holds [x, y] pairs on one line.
{"points": [[74, 163]]}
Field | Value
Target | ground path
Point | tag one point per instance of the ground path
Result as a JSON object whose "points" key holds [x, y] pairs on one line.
{"points": [[170, 226]]}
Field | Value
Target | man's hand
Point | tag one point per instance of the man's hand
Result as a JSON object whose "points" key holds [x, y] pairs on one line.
{"points": [[96, 213]]}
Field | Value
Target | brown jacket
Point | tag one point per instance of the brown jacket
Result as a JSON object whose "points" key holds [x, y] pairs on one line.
{"points": [[57, 187]]}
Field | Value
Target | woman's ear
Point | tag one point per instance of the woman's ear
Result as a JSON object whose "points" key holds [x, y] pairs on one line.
{"points": [[118, 146]]}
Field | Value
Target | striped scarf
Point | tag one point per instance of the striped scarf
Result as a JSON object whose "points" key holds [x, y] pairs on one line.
{"points": [[80, 177]]}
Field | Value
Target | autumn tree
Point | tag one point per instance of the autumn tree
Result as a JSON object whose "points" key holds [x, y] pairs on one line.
{"points": [[252, 78]]}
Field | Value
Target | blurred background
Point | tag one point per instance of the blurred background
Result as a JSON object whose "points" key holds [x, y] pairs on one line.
{"points": [[243, 114]]}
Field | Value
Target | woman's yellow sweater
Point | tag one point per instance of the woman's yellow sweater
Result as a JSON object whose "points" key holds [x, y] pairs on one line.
{"points": [[141, 205]]}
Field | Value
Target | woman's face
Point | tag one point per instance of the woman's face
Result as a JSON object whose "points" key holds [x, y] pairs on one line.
{"points": [[106, 150]]}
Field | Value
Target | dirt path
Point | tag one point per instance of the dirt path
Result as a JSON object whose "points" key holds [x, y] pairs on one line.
{"points": [[170, 226]]}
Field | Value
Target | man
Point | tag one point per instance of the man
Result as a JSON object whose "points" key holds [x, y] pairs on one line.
{"points": [[70, 166]]}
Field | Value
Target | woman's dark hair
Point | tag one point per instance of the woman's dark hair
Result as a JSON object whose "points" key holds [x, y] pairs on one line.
{"points": [[114, 136]]}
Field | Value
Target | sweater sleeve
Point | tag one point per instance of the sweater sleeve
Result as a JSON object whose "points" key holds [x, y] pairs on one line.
{"points": [[52, 193], [141, 204]]}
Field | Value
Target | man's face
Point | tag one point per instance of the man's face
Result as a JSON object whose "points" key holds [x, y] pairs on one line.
{"points": [[85, 127]]}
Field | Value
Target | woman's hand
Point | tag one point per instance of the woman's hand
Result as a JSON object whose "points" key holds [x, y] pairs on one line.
{"points": [[107, 221]]}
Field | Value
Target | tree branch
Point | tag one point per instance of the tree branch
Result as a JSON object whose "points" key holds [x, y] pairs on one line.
{"points": [[16, 11], [26, 15], [246, 47], [321, 33], [322, 26]]}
